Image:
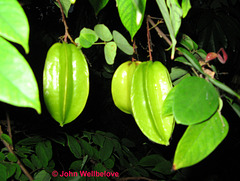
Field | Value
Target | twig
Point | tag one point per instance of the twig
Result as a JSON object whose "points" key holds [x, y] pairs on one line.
{"points": [[135, 178], [9, 129], [160, 33], [67, 35], [18, 161], [149, 41]]}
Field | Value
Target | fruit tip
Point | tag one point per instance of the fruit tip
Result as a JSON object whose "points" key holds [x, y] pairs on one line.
{"points": [[173, 168]]}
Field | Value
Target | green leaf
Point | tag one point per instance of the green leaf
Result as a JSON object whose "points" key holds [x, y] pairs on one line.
{"points": [[131, 157], [199, 141], [18, 172], [188, 43], [28, 163], [177, 72], [30, 141], [190, 57], [122, 43], [23, 150], [66, 4], [106, 150], [85, 158], [103, 32], [96, 154], [151, 160], [14, 27], [87, 37], [202, 53], [58, 139], [110, 51], [18, 84], [175, 14], [128, 143], [143, 172], [6, 138], [109, 163], [2, 156], [11, 169], [98, 139], [234, 105], [224, 87], [98, 5], [42, 176], [41, 154], [87, 135], [163, 168], [195, 100], [183, 60], [180, 79], [99, 167], [23, 177], [131, 13], [76, 165], [35, 161], [186, 6], [11, 157], [48, 149], [166, 16], [86, 147], [3, 173], [74, 146], [167, 108]]}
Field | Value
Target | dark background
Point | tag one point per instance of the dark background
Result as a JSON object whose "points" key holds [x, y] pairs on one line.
{"points": [[100, 113]]}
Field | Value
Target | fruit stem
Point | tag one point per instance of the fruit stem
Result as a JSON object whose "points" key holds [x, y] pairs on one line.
{"points": [[67, 35], [134, 51]]}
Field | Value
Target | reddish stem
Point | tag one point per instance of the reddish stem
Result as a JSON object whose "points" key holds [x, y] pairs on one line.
{"points": [[149, 41]]}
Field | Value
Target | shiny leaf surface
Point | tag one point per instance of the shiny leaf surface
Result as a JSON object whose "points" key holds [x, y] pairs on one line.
{"points": [[199, 141], [18, 84], [195, 100], [131, 14], [14, 27]]}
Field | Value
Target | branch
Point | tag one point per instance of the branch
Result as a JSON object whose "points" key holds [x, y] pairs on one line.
{"points": [[149, 41], [9, 129], [160, 33], [65, 25], [18, 161]]}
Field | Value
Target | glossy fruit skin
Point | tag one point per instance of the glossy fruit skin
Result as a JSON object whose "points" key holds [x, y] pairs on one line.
{"points": [[72, 1], [121, 85], [65, 82], [150, 86]]}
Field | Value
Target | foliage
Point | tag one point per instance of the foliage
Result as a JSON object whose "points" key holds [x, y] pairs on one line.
{"points": [[19, 86], [196, 101], [98, 151]]}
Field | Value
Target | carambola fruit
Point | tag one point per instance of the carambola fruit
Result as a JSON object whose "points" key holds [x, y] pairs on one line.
{"points": [[121, 85], [65, 82], [150, 86]]}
